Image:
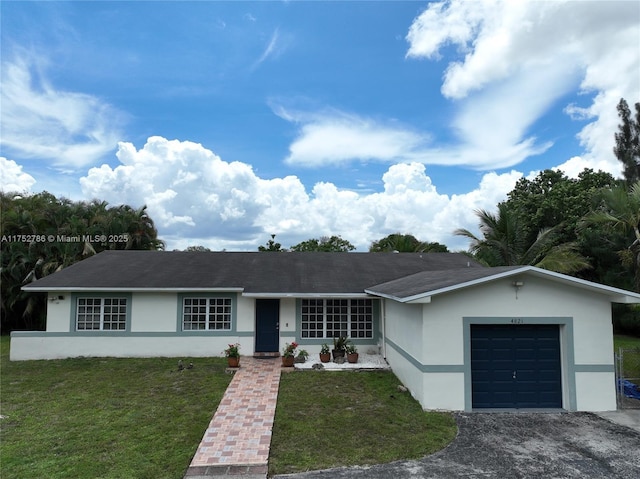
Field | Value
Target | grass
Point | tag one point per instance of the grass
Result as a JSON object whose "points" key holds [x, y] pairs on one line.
{"points": [[631, 361], [141, 418], [326, 419], [104, 418], [113, 418], [622, 341]]}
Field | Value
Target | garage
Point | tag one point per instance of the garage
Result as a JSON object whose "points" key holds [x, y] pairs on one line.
{"points": [[516, 366]]}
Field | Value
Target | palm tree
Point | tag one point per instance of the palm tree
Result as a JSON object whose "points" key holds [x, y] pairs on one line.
{"points": [[620, 210], [504, 243]]}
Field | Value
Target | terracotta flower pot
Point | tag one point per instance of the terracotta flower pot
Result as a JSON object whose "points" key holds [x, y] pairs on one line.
{"points": [[233, 362], [287, 361], [352, 357], [325, 358]]}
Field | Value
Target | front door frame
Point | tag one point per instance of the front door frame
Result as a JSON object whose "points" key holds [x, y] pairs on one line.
{"points": [[267, 340]]}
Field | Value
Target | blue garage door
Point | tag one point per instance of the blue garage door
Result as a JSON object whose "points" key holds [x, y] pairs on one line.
{"points": [[515, 366]]}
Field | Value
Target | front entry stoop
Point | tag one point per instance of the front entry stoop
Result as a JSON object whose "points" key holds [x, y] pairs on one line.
{"points": [[272, 355]]}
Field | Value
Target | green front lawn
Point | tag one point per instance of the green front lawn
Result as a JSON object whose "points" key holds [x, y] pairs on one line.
{"points": [[326, 419], [104, 418], [141, 418]]}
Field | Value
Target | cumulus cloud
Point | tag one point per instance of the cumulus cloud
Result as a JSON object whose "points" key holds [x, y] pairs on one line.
{"points": [[528, 55], [12, 178], [38, 121], [193, 193]]}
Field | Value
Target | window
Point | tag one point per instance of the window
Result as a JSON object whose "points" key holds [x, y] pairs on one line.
{"points": [[101, 314], [200, 314], [331, 318], [337, 317], [361, 318], [313, 318]]}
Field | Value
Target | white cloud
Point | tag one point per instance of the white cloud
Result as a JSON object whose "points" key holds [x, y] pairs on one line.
{"points": [[335, 137], [519, 58], [489, 139], [12, 178], [195, 197], [71, 129], [270, 49]]}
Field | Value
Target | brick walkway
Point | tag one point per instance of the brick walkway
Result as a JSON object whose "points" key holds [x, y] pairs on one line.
{"points": [[239, 435]]}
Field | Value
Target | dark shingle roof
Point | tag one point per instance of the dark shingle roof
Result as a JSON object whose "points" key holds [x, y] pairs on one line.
{"points": [[430, 281], [255, 272]]}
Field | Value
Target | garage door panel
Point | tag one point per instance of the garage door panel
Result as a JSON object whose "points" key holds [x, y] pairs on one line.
{"points": [[515, 366]]}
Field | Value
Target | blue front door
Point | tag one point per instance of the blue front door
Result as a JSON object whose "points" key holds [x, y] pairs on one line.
{"points": [[267, 325], [516, 366]]}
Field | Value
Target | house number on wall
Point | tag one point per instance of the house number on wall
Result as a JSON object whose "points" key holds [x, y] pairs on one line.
{"points": [[517, 321]]}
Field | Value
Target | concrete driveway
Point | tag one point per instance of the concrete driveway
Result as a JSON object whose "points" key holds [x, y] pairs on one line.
{"points": [[517, 445]]}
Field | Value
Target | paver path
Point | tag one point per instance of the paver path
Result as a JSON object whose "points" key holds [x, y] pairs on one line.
{"points": [[239, 435]]}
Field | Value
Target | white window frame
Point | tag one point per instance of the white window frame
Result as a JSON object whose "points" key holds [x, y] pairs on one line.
{"points": [[216, 310], [332, 311], [99, 307]]}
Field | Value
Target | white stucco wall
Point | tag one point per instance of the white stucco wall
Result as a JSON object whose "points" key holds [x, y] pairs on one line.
{"points": [[287, 315], [246, 314], [405, 327], [404, 350], [58, 312], [444, 391], [595, 391], [25, 346], [154, 330], [586, 340], [156, 312]]}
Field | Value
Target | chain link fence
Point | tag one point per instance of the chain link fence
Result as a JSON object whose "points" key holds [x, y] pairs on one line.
{"points": [[628, 378]]}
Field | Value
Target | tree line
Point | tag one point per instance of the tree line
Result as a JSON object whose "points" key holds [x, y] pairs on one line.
{"points": [[396, 242]]}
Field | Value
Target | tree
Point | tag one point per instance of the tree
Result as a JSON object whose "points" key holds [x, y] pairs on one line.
{"points": [[552, 200], [405, 243], [42, 234], [627, 148], [198, 248], [325, 244], [271, 245], [620, 211], [505, 243]]}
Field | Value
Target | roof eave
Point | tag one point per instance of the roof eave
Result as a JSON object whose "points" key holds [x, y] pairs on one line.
{"points": [[304, 295], [74, 289]]}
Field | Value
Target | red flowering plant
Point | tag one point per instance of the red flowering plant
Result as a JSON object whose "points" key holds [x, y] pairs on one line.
{"points": [[290, 350], [233, 351]]}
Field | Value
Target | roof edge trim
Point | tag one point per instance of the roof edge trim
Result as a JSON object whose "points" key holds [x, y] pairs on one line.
{"points": [[304, 295], [70, 289]]}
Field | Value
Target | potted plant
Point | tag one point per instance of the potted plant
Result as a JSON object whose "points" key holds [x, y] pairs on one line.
{"points": [[352, 353], [302, 356], [339, 347], [233, 355], [325, 355], [289, 354]]}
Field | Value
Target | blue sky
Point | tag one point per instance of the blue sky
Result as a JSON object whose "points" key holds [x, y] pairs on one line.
{"points": [[235, 120]]}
